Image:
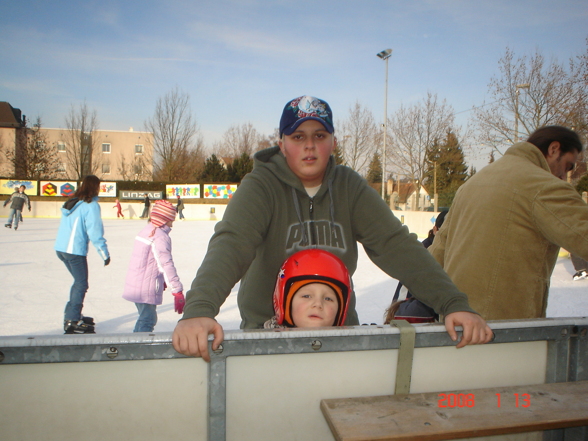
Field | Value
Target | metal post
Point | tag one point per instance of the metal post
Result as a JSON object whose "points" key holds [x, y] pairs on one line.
{"points": [[384, 55], [515, 138], [436, 203], [516, 127], [385, 133]]}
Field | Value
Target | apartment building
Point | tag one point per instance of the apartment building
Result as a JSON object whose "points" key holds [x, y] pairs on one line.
{"points": [[11, 133], [109, 154], [113, 155]]}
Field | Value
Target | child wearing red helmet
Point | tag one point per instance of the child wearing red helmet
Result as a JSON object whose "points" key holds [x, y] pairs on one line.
{"points": [[312, 290]]}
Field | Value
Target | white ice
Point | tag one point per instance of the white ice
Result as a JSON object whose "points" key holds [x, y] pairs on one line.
{"points": [[35, 284]]}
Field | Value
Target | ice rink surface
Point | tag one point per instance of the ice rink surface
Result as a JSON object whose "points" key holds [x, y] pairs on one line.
{"points": [[34, 283]]}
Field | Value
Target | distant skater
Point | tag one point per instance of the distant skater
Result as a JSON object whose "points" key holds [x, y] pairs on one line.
{"points": [[147, 203], [180, 208], [118, 209], [17, 201]]}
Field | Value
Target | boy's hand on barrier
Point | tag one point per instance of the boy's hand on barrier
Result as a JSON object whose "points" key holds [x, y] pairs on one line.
{"points": [[179, 302], [191, 336], [475, 330]]}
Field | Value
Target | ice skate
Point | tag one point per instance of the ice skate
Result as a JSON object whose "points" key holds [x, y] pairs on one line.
{"points": [[78, 327], [88, 320], [8, 225]]}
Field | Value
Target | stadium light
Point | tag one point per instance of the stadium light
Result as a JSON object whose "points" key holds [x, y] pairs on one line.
{"points": [[385, 55]]}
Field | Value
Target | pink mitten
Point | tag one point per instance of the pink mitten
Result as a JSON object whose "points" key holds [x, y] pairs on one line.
{"points": [[179, 302]]}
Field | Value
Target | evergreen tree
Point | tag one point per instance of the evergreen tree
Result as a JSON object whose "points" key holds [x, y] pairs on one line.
{"points": [[214, 170], [582, 184], [375, 170], [339, 159], [239, 168], [452, 171]]}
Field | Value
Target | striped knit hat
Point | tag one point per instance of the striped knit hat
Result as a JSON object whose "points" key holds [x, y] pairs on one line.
{"points": [[163, 211]]}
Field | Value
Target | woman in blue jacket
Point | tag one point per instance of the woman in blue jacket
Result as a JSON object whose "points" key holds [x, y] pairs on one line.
{"points": [[80, 223]]}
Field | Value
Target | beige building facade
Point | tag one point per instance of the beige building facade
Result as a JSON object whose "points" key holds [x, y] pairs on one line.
{"points": [[112, 155], [115, 155]]}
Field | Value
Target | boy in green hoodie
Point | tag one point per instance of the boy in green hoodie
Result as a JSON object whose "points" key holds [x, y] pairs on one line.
{"points": [[297, 198]]}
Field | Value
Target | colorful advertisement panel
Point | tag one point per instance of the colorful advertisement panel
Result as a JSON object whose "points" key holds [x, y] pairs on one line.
{"points": [[58, 188], [219, 191], [107, 190], [185, 191], [7, 186]]}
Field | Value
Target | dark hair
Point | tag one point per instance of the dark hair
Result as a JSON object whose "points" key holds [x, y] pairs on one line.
{"points": [[89, 189], [568, 139]]}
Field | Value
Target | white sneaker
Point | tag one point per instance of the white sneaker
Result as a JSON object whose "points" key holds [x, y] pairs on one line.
{"points": [[580, 275]]}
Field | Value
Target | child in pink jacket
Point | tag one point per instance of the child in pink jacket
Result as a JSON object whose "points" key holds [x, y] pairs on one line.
{"points": [[152, 268]]}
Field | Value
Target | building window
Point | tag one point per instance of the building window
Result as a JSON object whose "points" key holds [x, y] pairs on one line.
{"points": [[106, 169], [138, 149], [105, 148], [137, 169], [61, 146], [61, 168]]}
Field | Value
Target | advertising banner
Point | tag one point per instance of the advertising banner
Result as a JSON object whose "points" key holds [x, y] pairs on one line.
{"points": [[7, 186], [58, 188], [185, 191], [219, 191], [107, 190], [140, 194]]}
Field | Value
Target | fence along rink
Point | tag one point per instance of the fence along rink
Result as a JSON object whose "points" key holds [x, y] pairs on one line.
{"points": [[261, 383]]}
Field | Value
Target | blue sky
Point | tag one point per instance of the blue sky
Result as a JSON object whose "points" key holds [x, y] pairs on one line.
{"points": [[242, 60]]}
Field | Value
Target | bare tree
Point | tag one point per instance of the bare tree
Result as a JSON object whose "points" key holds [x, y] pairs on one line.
{"points": [[414, 131], [33, 157], [269, 140], [238, 140], [83, 146], [176, 143], [539, 92], [358, 138], [136, 169]]}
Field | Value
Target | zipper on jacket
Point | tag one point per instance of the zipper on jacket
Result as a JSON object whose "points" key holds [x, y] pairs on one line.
{"points": [[311, 222]]}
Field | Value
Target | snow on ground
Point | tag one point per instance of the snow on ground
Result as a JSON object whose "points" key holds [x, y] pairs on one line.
{"points": [[35, 284]]}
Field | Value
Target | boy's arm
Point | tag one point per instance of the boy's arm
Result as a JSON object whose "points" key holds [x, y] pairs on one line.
{"points": [[475, 329], [191, 336], [400, 255]]}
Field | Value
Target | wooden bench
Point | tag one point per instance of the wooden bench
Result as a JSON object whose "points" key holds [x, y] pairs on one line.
{"points": [[458, 414]]}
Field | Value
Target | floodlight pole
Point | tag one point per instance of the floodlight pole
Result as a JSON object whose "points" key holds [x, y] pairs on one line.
{"points": [[385, 55], [517, 93]]}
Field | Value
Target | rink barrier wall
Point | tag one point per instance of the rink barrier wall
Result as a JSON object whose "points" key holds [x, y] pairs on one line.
{"points": [[261, 383], [419, 222]]}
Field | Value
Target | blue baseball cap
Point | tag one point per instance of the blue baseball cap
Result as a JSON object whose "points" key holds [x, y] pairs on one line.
{"points": [[303, 109]]}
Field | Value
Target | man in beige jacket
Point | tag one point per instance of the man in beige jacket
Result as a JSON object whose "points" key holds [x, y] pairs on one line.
{"points": [[501, 238]]}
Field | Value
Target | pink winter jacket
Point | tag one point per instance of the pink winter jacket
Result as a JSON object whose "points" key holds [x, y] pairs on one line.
{"points": [[151, 264]]}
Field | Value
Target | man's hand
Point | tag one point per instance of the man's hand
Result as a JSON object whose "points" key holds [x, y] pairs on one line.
{"points": [[191, 336], [475, 329]]}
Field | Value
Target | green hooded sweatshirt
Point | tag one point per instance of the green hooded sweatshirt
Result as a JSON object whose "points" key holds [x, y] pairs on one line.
{"points": [[271, 216]]}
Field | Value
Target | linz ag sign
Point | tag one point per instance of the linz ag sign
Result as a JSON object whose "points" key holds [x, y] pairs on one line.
{"points": [[138, 194]]}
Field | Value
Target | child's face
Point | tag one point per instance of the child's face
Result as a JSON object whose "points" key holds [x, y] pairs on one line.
{"points": [[307, 151], [314, 305]]}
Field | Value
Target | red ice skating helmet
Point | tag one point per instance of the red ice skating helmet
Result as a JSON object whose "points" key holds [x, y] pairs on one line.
{"points": [[311, 266]]}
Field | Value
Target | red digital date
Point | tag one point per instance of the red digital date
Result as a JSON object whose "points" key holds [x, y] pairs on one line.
{"points": [[457, 400]]}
